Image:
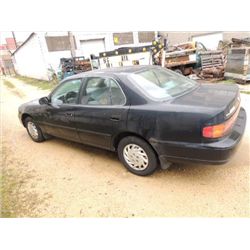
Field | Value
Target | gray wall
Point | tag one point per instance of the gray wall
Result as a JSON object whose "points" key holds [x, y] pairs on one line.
{"points": [[184, 36], [227, 36]]}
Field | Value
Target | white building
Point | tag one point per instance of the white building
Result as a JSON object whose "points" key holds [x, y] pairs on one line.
{"points": [[42, 51]]}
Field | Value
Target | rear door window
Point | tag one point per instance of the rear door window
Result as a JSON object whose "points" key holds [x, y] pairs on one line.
{"points": [[102, 91]]}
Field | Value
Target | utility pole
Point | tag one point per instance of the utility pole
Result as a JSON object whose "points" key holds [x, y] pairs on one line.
{"points": [[14, 37], [72, 44]]}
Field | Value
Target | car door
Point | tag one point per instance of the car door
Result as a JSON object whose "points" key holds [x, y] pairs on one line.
{"points": [[102, 111], [59, 117]]}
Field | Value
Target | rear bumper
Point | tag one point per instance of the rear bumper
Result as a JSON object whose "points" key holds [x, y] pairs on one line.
{"points": [[217, 152]]}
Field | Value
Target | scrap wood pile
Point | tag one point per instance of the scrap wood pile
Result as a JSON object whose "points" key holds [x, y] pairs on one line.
{"points": [[182, 46], [81, 65], [240, 42], [212, 64], [234, 43], [75, 64]]}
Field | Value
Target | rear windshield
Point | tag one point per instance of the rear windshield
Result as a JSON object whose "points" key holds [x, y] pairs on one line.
{"points": [[162, 84]]}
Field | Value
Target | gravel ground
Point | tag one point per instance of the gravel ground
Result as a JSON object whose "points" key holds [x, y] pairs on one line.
{"points": [[58, 178]]}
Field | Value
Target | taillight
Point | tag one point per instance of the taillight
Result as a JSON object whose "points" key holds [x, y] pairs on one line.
{"points": [[220, 130], [213, 131]]}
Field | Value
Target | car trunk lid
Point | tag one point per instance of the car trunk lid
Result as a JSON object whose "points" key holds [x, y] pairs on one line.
{"points": [[223, 98]]}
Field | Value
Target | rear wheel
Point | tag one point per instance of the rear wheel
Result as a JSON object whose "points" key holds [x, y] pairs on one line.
{"points": [[33, 130], [137, 156]]}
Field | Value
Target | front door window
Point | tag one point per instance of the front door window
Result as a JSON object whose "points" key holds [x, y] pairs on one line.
{"points": [[67, 93]]}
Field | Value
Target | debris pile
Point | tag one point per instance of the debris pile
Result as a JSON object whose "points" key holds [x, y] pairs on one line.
{"points": [[181, 46], [74, 65], [193, 58], [81, 65], [240, 42]]}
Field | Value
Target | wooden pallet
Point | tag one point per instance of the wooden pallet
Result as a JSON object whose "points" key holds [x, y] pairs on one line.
{"points": [[210, 59]]}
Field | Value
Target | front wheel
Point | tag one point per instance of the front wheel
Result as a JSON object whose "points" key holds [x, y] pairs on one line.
{"points": [[137, 156], [33, 130]]}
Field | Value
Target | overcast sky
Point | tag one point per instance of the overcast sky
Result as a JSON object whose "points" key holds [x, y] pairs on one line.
{"points": [[20, 35]]}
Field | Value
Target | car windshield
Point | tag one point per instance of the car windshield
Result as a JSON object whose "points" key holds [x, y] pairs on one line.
{"points": [[161, 84]]}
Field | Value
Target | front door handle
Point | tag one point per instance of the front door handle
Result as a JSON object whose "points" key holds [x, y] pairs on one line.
{"points": [[115, 118], [69, 114]]}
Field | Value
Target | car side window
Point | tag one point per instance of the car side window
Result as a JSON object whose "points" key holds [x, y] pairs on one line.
{"points": [[102, 91], [67, 93], [117, 96]]}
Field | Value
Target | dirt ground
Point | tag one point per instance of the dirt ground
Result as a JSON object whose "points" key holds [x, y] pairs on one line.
{"points": [[58, 178]]}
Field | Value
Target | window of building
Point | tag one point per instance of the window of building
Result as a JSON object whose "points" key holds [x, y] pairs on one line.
{"points": [[58, 43], [123, 38], [146, 36]]}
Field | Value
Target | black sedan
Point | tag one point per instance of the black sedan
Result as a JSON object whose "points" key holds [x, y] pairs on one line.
{"points": [[150, 115]]}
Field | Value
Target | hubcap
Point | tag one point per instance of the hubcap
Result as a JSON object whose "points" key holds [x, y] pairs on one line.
{"points": [[32, 130], [135, 156]]}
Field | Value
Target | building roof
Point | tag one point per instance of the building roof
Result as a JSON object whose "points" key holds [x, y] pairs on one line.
{"points": [[29, 37]]}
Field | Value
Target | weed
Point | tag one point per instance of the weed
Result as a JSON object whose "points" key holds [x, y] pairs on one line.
{"points": [[8, 84], [245, 92], [41, 84]]}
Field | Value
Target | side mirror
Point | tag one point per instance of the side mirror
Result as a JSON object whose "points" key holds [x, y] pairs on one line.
{"points": [[44, 100]]}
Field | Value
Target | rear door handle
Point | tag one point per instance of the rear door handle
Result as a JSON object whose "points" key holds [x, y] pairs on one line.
{"points": [[115, 118]]}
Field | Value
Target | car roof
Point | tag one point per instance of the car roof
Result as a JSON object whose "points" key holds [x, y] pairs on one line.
{"points": [[112, 71]]}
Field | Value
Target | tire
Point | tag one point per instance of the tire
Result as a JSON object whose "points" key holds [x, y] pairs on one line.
{"points": [[34, 131], [141, 164]]}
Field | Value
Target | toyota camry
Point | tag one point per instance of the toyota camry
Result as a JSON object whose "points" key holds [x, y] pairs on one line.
{"points": [[149, 115]]}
